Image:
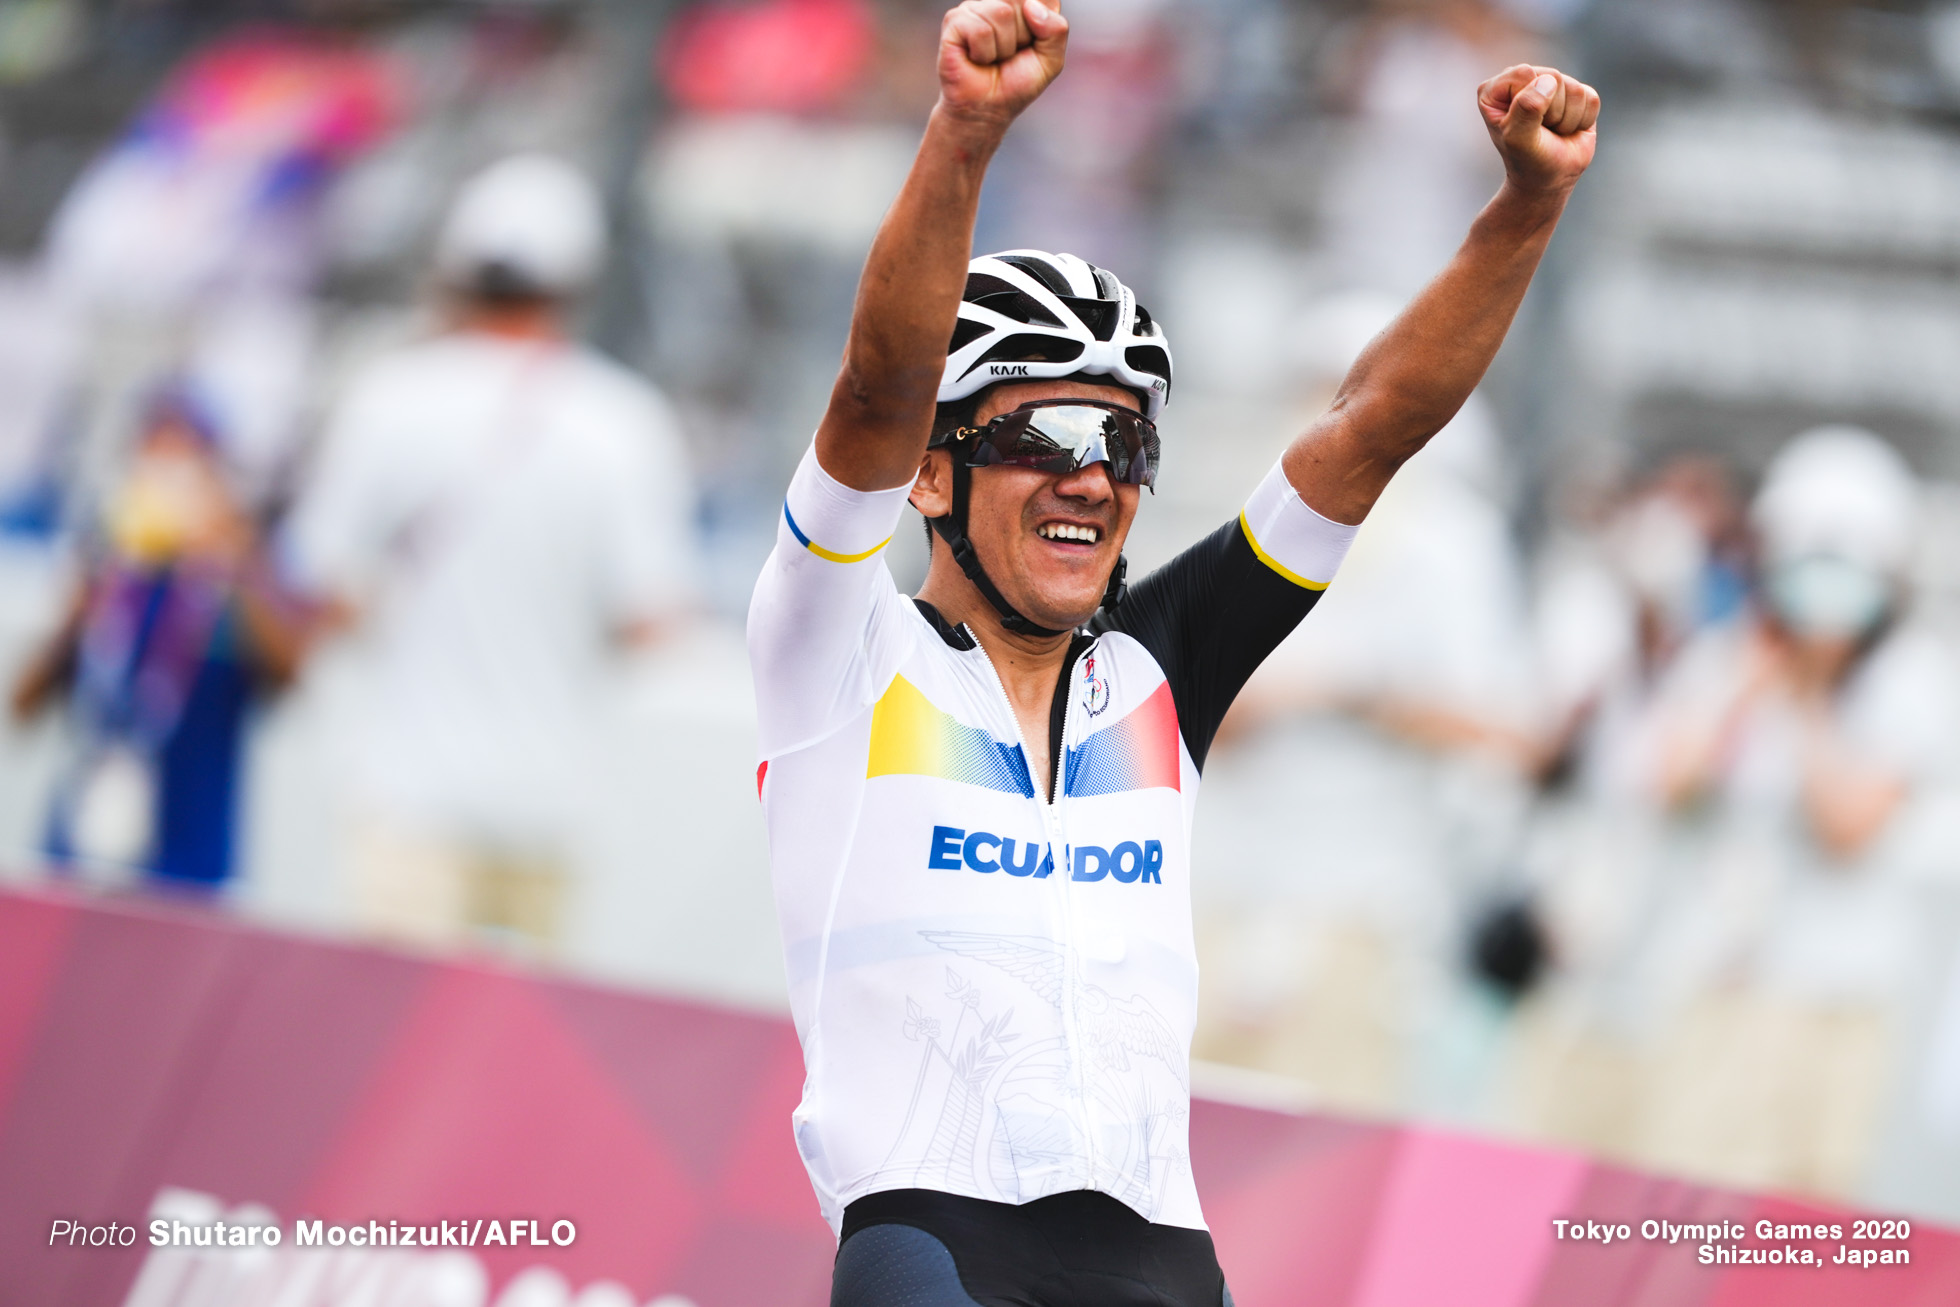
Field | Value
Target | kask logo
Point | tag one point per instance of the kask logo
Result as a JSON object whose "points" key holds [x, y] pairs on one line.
{"points": [[1007, 369], [1131, 862]]}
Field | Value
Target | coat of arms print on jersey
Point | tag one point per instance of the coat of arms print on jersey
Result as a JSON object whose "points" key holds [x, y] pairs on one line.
{"points": [[988, 1109]]}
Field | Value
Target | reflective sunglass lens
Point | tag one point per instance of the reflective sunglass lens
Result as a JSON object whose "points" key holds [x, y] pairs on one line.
{"points": [[1058, 438]]}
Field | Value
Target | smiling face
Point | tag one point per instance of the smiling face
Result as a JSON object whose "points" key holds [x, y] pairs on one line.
{"points": [[1048, 542]]}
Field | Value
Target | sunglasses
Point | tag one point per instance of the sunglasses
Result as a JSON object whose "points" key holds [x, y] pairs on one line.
{"points": [[1061, 435]]}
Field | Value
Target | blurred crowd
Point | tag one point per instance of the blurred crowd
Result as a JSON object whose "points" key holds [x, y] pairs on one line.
{"points": [[1650, 848], [396, 398]]}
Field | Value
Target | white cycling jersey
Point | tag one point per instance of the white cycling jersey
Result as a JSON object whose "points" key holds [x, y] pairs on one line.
{"points": [[996, 993]]}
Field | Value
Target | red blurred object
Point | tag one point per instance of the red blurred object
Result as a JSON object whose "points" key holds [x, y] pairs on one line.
{"points": [[150, 1056], [778, 56], [280, 94]]}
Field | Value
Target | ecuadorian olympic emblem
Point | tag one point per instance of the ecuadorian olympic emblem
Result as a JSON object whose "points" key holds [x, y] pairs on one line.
{"points": [[1095, 689]]}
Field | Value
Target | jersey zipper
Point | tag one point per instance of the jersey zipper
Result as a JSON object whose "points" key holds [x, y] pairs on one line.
{"points": [[1051, 819], [1066, 869]]}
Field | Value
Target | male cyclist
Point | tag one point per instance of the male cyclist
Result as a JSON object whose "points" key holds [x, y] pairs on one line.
{"points": [[979, 800]]}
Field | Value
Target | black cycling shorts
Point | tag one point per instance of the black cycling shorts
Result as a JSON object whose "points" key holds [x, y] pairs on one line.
{"points": [[922, 1248]]}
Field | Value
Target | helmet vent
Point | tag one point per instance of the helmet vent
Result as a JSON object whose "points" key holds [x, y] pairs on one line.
{"points": [[1041, 270], [965, 332], [1099, 316], [979, 283], [1149, 359], [1018, 306]]}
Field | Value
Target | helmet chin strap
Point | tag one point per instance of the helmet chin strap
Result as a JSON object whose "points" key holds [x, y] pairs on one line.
{"points": [[952, 529]]}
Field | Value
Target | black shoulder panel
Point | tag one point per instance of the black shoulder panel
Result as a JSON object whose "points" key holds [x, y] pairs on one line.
{"points": [[1209, 617]]}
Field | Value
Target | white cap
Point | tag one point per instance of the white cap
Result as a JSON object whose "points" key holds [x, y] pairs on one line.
{"points": [[533, 219], [1840, 491]]}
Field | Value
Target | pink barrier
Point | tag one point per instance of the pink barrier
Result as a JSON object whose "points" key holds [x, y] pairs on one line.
{"points": [[156, 1064]]}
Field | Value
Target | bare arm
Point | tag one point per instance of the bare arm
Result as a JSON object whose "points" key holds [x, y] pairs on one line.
{"points": [[995, 57], [53, 663], [1413, 377], [278, 628], [1849, 800]]}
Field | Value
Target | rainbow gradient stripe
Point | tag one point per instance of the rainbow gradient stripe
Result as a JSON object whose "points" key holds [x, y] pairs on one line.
{"points": [[1136, 752], [910, 737]]}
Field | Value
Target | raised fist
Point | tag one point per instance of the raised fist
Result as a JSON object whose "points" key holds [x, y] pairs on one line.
{"points": [[1542, 123], [996, 56]]}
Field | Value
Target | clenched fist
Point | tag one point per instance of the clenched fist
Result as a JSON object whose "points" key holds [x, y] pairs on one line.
{"points": [[996, 56], [1542, 123]]}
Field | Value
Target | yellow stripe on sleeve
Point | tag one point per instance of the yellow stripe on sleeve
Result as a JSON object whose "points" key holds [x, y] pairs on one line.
{"points": [[828, 555], [833, 556], [1274, 563]]}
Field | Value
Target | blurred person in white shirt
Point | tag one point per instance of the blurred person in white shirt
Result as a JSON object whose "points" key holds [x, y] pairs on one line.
{"points": [[1815, 748], [1615, 604], [1623, 587], [1403, 176], [1400, 732], [498, 508]]}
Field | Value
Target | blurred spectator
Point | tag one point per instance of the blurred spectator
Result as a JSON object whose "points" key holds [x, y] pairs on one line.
{"points": [[1415, 165], [216, 187], [1400, 730], [762, 192], [189, 246], [1618, 601], [173, 627], [497, 507], [1813, 746], [1619, 597], [1426, 641]]}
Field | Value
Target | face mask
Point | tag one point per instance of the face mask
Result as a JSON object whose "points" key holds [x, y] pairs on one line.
{"points": [[1827, 597], [161, 507]]}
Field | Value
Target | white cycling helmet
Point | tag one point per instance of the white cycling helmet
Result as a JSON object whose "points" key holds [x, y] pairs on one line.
{"points": [[1027, 314], [531, 222]]}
